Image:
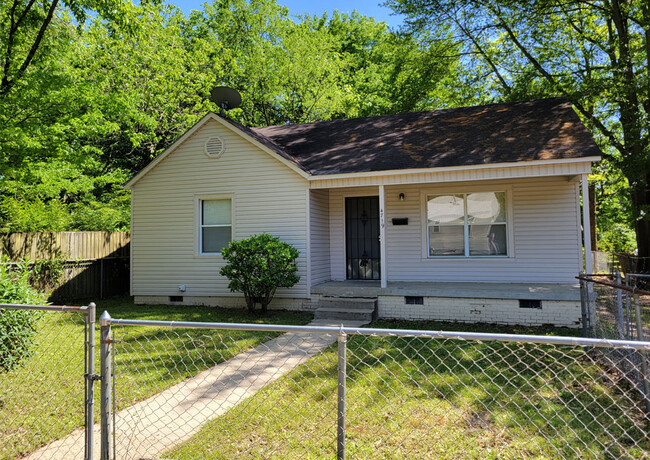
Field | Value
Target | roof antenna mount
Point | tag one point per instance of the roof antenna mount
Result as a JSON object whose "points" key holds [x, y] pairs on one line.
{"points": [[226, 98]]}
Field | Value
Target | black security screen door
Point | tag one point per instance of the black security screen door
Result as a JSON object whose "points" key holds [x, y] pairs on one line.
{"points": [[362, 238]]}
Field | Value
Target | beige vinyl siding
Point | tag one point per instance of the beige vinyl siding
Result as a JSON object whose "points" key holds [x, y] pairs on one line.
{"points": [[266, 197], [320, 236], [544, 238]]}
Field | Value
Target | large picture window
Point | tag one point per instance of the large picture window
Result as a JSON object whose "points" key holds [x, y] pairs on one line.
{"points": [[216, 225], [467, 225]]}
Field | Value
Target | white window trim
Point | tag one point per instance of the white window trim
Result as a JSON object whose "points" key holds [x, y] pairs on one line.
{"points": [[457, 189], [198, 234]]}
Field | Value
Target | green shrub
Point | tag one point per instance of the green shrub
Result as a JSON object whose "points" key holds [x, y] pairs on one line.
{"points": [[17, 327], [257, 266]]}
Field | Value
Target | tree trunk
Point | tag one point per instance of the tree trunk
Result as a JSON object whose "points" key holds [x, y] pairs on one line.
{"points": [[250, 303], [592, 216], [641, 202]]}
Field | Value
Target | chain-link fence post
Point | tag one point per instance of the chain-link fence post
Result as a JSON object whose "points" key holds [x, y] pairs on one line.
{"points": [[584, 307], [620, 328], [643, 354], [106, 377], [90, 378], [342, 361]]}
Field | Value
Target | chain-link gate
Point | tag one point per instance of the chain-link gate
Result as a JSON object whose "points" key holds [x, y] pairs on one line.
{"points": [[46, 381], [211, 390]]}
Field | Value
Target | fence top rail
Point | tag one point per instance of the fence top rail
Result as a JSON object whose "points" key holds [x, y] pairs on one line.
{"points": [[106, 320], [622, 287], [15, 306]]}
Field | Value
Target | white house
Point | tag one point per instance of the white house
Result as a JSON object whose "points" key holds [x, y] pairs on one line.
{"points": [[467, 214]]}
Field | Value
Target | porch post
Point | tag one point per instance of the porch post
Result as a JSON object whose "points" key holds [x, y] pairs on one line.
{"points": [[382, 236], [586, 224]]}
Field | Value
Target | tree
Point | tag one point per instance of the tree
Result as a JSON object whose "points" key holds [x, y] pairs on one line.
{"points": [[596, 54], [286, 70], [103, 102], [100, 99], [24, 27], [257, 266], [392, 72]]}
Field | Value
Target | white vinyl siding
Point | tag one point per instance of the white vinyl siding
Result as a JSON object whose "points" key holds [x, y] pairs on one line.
{"points": [[543, 238], [266, 196], [320, 236]]}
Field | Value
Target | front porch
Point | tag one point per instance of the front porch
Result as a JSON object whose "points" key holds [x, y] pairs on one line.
{"points": [[527, 291], [500, 303]]}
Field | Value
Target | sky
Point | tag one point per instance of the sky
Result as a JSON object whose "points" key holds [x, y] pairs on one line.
{"points": [[296, 7]]}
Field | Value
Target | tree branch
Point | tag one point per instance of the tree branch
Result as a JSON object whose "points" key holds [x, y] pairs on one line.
{"points": [[7, 83], [483, 54], [10, 41], [609, 134], [24, 13], [645, 9]]}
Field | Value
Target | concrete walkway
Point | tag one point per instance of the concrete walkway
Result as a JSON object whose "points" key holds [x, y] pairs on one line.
{"points": [[167, 419]]}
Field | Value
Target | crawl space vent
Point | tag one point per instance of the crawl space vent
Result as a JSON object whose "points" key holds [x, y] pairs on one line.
{"points": [[214, 147], [529, 303], [413, 300]]}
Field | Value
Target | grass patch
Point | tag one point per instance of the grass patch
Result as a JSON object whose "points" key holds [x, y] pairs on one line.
{"points": [[43, 399], [422, 398]]}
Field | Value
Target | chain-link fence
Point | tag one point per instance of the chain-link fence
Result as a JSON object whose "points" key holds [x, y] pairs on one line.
{"points": [[615, 306], [44, 353], [201, 390]]}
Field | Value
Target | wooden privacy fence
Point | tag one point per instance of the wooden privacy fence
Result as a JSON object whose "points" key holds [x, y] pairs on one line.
{"points": [[95, 264], [65, 245]]}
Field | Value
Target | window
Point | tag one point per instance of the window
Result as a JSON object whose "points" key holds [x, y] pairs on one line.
{"points": [[216, 225], [467, 225]]}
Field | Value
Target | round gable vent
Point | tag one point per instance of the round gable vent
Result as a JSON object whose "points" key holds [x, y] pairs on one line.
{"points": [[214, 147]]}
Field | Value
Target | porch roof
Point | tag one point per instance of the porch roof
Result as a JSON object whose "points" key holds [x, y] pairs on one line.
{"points": [[528, 291]]}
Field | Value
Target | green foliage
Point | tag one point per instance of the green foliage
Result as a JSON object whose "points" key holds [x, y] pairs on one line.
{"points": [[257, 266], [104, 97], [17, 327], [593, 53], [45, 273], [614, 216]]}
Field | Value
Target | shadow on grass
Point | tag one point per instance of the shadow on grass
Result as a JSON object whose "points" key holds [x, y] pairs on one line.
{"points": [[150, 359], [417, 397], [43, 399]]}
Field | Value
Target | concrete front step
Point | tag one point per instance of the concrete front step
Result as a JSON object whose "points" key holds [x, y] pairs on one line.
{"points": [[332, 313], [347, 303], [347, 308]]}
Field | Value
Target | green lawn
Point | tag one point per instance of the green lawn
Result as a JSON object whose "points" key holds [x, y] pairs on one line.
{"points": [[43, 400], [422, 398]]}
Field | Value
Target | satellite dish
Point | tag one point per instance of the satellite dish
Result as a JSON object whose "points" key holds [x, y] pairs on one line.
{"points": [[226, 98]]}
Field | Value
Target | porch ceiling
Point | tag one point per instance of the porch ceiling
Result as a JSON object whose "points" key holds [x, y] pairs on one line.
{"points": [[452, 290]]}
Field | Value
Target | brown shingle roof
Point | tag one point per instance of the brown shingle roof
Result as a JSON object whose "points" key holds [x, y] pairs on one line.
{"points": [[544, 129]]}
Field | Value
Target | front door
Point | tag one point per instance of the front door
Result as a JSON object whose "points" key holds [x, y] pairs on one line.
{"points": [[362, 237]]}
